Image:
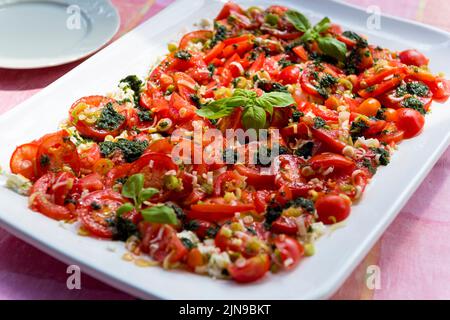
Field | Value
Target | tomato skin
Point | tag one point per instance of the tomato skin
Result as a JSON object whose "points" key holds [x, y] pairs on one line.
{"points": [[153, 165], [332, 208], [199, 35], [286, 225], [214, 212], [413, 57], [95, 220], [63, 184], [23, 161], [289, 75], [326, 160], [290, 251], [369, 107], [226, 179], [287, 173], [227, 9], [118, 172], [55, 152], [410, 121], [301, 53], [255, 177], [261, 199], [441, 89], [253, 269], [42, 200], [89, 130], [326, 136], [89, 157], [92, 182], [167, 243]]}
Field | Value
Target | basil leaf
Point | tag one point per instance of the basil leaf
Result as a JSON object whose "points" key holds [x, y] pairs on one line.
{"points": [[147, 194], [299, 21], [323, 25], [266, 105], [125, 208], [222, 108], [275, 99], [133, 187], [160, 214], [248, 94], [310, 34], [254, 117], [332, 47]]}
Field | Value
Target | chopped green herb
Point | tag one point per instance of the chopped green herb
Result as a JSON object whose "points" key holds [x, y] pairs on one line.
{"points": [[319, 123], [305, 150], [109, 119], [414, 103], [183, 55], [131, 149]]}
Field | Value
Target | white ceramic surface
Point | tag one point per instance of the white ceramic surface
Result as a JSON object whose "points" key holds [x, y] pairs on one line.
{"points": [[337, 254], [44, 33]]}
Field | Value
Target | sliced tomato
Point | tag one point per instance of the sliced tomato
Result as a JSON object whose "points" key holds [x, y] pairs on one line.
{"points": [[215, 209], [259, 177], [180, 109], [117, 173], [63, 184], [413, 57], [41, 200], [96, 208], [214, 52], [287, 173], [227, 9], [160, 241], [195, 37], [85, 112], [154, 167], [289, 75], [55, 153], [23, 161], [440, 88], [261, 199], [251, 270], [161, 146], [286, 225], [89, 157], [329, 138], [327, 160], [92, 182], [228, 181], [332, 208], [410, 121], [288, 250]]}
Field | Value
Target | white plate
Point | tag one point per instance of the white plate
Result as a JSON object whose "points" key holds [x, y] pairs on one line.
{"points": [[337, 254], [44, 33]]}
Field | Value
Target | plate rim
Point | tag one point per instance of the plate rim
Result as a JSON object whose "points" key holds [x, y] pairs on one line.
{"points": [[326, 289], [32, 64]]}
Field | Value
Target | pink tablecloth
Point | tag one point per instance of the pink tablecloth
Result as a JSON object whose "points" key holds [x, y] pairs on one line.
{"points": [[413, 256]]}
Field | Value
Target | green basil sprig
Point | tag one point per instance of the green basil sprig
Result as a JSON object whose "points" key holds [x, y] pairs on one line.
{"points": [[329, 45], [134, 189], [255, 108]]}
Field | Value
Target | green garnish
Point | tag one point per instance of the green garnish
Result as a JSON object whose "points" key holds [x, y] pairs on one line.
{"points": [[183, 55], [134, 190], [131, 149], [255, 108], [329, 45], [109, 119]]}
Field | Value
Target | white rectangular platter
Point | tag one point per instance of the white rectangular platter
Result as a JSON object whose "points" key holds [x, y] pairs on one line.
{"points": [[336, 256]]}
